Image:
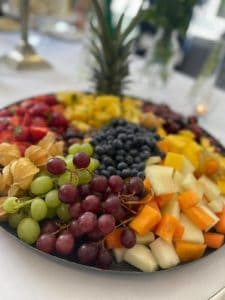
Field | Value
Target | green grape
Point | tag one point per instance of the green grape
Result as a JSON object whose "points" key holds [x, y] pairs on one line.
{"points": [[60, 157], [14, 219], [42, 173], [51, 213], [94, 164], [28, 230], [84, 177], [67, 177], [38, 209], [52, 199], [69, 162], [87, 148], [74, 149], [10, 205], [63, 212], [41, 185]]}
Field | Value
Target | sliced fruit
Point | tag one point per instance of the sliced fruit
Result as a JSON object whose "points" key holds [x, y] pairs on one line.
{"points": [[146, 220], [200, 217], [141, 257], [119, 254], [161, 179], [37, 133], [189, 251], [179, 162], [146, 239], [172, 208], [190, 183], [164, 253], [211, 190], [211, 214], [187, 199], [214, 240], [220, 226], [191, 232], [166, 228], [112, 240], [216, 205]]}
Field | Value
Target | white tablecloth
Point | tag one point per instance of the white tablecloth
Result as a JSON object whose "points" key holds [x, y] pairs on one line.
{"points": [[27, 276]]}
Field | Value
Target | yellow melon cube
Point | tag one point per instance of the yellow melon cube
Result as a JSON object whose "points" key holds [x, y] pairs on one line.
{"points": [[174, 160]]}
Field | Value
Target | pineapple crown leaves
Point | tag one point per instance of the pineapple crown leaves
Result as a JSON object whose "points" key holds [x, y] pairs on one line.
{"points": [[111, 51]]}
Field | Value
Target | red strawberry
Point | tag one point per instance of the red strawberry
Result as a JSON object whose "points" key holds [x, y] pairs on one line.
{"points": [[37, 133], [21, 111], [27, 119], [39, 122], [22, 133], [6, 136], [5, 113], [27, 104], [58, 120], [15, 121], [4, 122], [40, 109], [48, 99]]}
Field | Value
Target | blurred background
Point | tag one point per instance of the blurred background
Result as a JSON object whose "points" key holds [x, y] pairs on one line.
{"points": [[177, 36]]}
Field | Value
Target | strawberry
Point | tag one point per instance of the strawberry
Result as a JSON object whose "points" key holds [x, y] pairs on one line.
{"points": [[48, 99], [5, 113], [22, 133], [39, 122], [6, 136], [40, 109], [21, 111], [27, 119], [58, 120], [4, 122], [15, 121], [37, 133]]}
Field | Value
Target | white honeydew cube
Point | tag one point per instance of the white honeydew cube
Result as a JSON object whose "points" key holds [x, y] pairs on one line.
{"points": [[211, 190], [211, 214], [178, 178], [191, 232], [172, 208], [216, 205], [141, 257], [164, 253], [223, 199], [187, 167], [153, 160], [161, 179], [119, 254], [145, 239], [191, 183]]}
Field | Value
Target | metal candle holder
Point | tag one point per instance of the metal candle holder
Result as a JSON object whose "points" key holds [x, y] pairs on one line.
{"points": [[24, 56]]}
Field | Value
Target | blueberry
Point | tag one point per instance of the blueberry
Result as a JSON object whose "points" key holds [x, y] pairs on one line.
{"points": [[105, 173], [121, 152], [129, 159], [99, 150], [141, 166], [133, 173], [122, 122], [146, 148], [126, 173], [133, 152], [107, 161], [137, 159], [144, 154], [141, 175], [111, 170], [140, 141], [122, 136], [115, 122], [122, 166], [119, 158]]}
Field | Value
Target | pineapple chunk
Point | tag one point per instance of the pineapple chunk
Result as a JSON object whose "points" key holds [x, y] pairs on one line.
{"points": [[191, 183], [191, 232], [178, 178], [161, 179], [179, 162], [164, 253], [211, 190], [211, 214], [216, 205], [172, 208], [141, 257], [119, 254], [146, 239]]}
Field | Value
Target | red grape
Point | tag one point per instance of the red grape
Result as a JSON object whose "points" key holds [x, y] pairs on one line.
{"points": [[75, 229], [91, 203], [112, 204], [87, 253], [104, 259], [95, 235], [128, 238], [136, 185], [81, 160], [46, 243], [99, 184], [56, 166], [65, 244], [120, 214], [68, 193], [76, 210], [84, 190], [49, 227], [106, 223], [116, 183], [58, 120], [87, 222]]}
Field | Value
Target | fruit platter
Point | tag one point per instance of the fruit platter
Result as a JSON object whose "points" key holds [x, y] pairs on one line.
{"points": [[110, 183]]}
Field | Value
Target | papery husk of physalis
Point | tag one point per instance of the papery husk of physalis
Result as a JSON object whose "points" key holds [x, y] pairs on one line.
{"points": [[3, 214], [204, 158], [37, 155], [49, 144], [23, 172], [8, 153], [6, 180], [149, 120]]}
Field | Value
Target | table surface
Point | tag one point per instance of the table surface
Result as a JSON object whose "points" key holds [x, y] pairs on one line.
{"points": [[25, 275]]}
